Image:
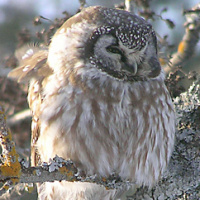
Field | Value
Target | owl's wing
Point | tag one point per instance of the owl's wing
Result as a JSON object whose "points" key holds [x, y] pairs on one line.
{"points": [[33, 69], [32, 63]]}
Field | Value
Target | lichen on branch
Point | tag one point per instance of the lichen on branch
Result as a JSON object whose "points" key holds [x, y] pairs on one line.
{"points": [[10, 166]]}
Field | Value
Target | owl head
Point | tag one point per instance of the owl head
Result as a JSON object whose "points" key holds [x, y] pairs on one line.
{"points": [[104, 41]]}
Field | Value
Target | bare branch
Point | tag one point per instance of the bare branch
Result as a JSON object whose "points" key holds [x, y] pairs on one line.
{"points": [[129, 5], [59, 169], [19, 117], [188, 43], [82, 3]]}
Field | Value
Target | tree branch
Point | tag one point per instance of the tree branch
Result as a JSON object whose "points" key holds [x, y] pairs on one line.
{"points": [[188, 43], [11, 166], [59, 169], [19, 118]]}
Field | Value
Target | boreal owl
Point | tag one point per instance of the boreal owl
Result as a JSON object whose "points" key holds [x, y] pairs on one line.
{"points": [[98, 97]]}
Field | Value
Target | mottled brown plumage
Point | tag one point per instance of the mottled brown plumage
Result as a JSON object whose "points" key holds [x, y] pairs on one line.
{"points": [[98, 97]]}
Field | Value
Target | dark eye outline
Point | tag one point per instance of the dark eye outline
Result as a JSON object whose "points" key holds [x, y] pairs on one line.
{"points": [[113, 49]]}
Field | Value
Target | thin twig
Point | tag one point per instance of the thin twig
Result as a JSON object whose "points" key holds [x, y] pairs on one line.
{"points": [[130, 5], [19, 117]]}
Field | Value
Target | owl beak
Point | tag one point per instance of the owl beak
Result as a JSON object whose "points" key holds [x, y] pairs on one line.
{"points": [[131, 68], [134, 67]]}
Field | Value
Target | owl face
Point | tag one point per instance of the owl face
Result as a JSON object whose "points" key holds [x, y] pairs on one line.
{"points": [[112, 42]]}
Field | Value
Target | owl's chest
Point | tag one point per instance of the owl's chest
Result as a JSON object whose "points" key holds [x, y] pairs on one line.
{"points": [[113, 112], [102, 126]]}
